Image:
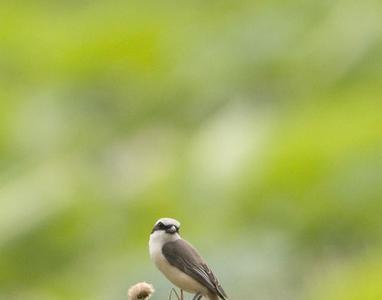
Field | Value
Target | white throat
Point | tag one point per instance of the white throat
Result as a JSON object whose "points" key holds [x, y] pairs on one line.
{"points": [[161, 237], [158, 239]]}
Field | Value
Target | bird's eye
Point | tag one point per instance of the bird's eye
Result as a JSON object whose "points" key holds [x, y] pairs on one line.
{"points": [[161, 225]]}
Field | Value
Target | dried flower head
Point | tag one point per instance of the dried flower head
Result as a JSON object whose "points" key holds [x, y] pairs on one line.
{"points": [[140, 291]]}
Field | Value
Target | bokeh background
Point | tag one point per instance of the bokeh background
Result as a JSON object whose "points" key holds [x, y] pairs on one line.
{"points": [[257, 124]]}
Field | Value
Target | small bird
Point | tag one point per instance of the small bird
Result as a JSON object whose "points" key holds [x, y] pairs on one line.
{"points": [[181, 263]]}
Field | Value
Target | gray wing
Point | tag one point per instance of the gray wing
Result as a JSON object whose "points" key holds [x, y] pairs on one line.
{"points": [[183, 256]]}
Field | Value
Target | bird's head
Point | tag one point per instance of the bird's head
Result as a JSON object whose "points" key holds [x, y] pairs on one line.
{"points": [[165, 230], [168, 225]]}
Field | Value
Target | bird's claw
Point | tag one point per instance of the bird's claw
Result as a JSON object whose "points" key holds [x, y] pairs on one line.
{"points": [[176, 294]]}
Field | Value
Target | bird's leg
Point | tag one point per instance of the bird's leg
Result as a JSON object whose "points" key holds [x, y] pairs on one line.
{"points": [[181, 294], [197, 296], [176, 294]]}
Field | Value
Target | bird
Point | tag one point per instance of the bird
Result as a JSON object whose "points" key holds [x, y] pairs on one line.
{"points": [[181, 263]]}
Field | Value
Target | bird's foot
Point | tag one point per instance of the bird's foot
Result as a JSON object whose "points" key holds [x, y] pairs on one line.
{"points": [[176, 294]]}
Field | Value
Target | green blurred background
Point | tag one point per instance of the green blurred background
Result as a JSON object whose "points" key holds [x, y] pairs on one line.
{"points": [[257, 124]]}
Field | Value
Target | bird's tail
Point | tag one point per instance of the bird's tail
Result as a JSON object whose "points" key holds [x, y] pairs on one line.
{"points": [[213, 296]]}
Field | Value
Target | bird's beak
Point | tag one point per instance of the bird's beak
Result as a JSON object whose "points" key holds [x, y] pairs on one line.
{"points": [[172, 229]]}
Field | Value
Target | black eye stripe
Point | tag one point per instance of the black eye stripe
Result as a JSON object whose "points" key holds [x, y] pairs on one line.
{"points": [[161, 226]]}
